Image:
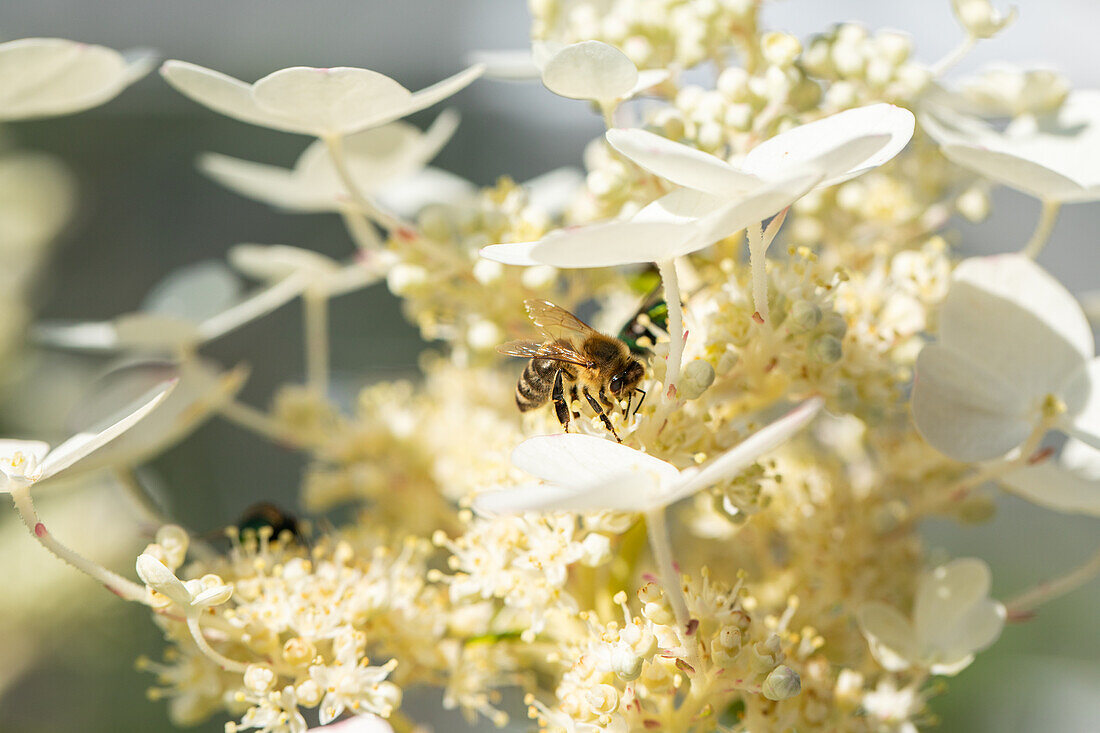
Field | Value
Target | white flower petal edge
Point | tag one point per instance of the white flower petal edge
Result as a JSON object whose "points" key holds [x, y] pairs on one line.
{"points": [[681, 164], [45, 77], [890, 126], [1071, 484], [953, 618], [590, 70], [357, 724], [586, 473], [311, 101], [35, 464], [1014, 345]]}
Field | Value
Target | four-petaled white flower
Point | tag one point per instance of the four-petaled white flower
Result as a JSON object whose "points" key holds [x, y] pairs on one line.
{"points": [[1015, 354], [324, 103], [1069, 484], [192, 596], [378, 160], [1050, 156], [953, 619], [27, 462], [585, 473], [45, 77], [357, 687]]}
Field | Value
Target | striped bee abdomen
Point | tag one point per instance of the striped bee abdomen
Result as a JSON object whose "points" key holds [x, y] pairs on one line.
{"points": [[533, 388]]}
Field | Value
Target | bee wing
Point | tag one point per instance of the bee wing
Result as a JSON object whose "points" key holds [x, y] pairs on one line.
{"points": [[536, 349], [556, 322]]}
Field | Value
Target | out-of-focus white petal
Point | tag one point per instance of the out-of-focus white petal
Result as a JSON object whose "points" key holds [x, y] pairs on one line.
{"points": [[964, 410], [271, 184], [276, 261], [889, 125], [333, 101], [1049, 156], [1082, 398], [257, 304], [88, 336], [647, 79], [151, 332], [506, 65], [972, 632], [1071, 484], [890, 636], [201, 387], [157, 576], [575, 460], [408, 195], [194, 292], [311, 101], [43, 77], [590, 70], [598, 245], [1014, 319], [37, 195], [748, 451], [626, 492], [946, 594], [357, 724], [555, 190], [980, 18], [83, 445], [681, 164]]}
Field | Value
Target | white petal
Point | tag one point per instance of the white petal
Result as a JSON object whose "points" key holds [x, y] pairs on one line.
{"points": [[271, 184], [974, 631], [88, 336], [434, 94], [1082, 397], [157, 576], [965, 411], [150, 332], [748, 451], [598, 245], [648, 79], [628, 492], [890, 636], [1071, 484], [224, 94], [681, 164], [275, 261], [408, 195], [555, 190], [590, 70], [1010, 316], [575, 460], [194, 292], [41, 77], [799, 145], [1016, 172], [945, 597], [357, 724], [509, 65], [82, 445]]}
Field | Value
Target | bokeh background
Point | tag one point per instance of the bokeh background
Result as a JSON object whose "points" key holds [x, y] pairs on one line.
{"points": [[67, 648]]}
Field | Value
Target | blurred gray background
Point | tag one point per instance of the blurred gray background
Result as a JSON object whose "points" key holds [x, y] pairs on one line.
{"points": [[145, 210]]}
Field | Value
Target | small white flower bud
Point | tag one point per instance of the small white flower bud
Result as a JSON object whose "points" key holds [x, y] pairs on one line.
{"points": [[157, 576], [625, 663], [842, 95], [596, 549], [259, 678], [487, 272], [973, 203], [603, 699], [780, 49], [483, 335], [435, 223], [402, 278], [309, 693], [783, 683], [298, 651], [174, 541], [893, 46], [826, 348], [539, 276], [698, 375], [980, 18], [733, 83], [215, 596], [803, 316]]}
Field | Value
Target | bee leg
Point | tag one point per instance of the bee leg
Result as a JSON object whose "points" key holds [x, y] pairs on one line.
{"points": [[574, 398], [639, 405], [603, 415], [626, 407], [561, 409]]}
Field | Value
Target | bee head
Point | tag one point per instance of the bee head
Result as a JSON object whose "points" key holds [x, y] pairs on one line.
{"points": [[624, 382]]}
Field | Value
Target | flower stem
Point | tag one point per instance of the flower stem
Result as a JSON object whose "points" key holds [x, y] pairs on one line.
{"points": [[954, 56], [661, 545], [255, 421], [121, 587], [335, 146], [1043, 228], [315, 310], [222, 661], [1048, 590], [671, 283], [361, 231], [759, 272]]}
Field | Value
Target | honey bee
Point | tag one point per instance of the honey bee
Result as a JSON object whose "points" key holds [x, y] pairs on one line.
{"points": [[574, 359]]}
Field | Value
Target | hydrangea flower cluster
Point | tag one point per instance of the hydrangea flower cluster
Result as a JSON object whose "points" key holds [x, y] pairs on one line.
{"points": [[730, 545]]}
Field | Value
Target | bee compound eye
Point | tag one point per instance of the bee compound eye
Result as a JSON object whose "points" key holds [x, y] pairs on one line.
{"points": [[616, 384]]}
